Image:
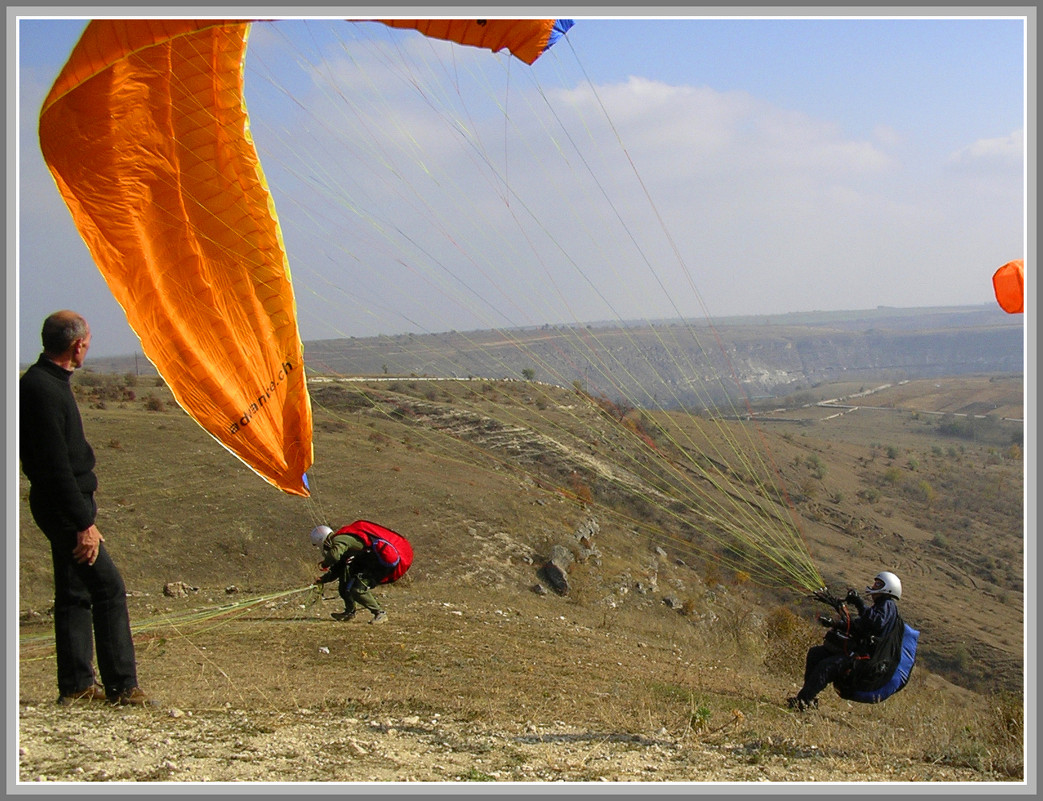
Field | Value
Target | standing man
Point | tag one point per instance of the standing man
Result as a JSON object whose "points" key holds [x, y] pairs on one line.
{"points": [[90, 599]]}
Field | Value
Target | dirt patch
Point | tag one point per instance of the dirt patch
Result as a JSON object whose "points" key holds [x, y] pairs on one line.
{"points": [[315, 746], [453, 692]]}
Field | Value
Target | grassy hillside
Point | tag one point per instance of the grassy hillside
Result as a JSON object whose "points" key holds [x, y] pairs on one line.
{"points": [[658, 652]]}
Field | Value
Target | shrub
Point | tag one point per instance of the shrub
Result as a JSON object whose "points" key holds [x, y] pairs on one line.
{"points": [[961, 660], [580, 490], [926, 492], [786, 639]]}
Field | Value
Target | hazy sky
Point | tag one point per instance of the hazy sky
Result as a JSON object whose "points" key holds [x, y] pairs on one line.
{"points": [[756, 166]]}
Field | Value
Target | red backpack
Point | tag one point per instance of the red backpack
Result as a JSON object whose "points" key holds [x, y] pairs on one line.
{"points": [[391, 549]]}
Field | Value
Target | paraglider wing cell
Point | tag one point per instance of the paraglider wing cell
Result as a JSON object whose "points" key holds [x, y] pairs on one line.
{"points": [[1009, 284]]}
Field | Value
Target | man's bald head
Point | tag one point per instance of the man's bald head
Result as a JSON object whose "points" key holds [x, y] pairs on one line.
{"points": [[61, 330]]}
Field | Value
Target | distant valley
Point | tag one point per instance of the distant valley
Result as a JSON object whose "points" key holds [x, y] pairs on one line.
{"points": [[675, 363]]}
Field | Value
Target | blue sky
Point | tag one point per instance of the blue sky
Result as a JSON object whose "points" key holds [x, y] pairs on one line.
{"points": [[795, 165]]}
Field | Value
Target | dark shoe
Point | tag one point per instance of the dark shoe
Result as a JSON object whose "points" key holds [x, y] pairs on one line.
{"points": [[93, 693], [799, 704], [344, 616], [379, 617], [132, 697]]}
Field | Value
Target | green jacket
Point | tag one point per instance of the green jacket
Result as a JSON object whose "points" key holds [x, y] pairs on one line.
{"points": [[338, 548]]}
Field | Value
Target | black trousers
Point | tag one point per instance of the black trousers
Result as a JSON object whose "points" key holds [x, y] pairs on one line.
{"points": [[90, 610], [822, 667]]}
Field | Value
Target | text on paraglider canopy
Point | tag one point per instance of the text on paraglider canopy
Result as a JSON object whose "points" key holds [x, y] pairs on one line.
{"points": [[263, 397]]}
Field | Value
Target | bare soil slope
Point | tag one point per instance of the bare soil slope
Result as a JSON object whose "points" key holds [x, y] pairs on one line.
{"points": [[654, 667]]}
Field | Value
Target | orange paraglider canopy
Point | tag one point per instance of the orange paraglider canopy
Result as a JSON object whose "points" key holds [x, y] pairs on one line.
{"points": [[1009, 283], [146, 134]]}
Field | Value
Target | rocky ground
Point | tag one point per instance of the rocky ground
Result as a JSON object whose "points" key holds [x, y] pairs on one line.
{"points": [[167, 744]]}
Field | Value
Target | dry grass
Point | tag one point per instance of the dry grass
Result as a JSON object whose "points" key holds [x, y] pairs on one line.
{"points": [[640, 674], [608, 669]]}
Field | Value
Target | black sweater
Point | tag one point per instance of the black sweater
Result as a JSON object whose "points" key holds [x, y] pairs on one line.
{"points": [[55, 454]]}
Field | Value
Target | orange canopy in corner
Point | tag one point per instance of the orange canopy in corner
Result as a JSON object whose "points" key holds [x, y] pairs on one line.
{"points": [[1009, 283]]}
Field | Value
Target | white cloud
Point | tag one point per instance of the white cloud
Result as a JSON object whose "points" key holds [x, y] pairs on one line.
{"points": [[682, 132], [1008, 151]]}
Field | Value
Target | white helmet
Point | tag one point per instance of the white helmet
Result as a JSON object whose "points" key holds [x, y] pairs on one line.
{"points": [[319, 534], [886, 583]]}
